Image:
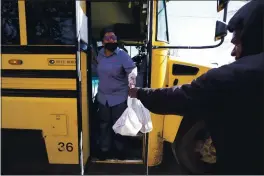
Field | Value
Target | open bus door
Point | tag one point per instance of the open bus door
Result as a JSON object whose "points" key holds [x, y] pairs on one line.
{"points": [[136, 159], [82, 68], [88, 161]]}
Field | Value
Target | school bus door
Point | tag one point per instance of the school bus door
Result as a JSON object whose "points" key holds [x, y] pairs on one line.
{"points": [[157, 74], [84, 98]]}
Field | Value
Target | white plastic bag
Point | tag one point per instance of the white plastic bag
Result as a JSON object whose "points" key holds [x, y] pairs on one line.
{"points": [[128, 124], [134, 119], [143, 115]]}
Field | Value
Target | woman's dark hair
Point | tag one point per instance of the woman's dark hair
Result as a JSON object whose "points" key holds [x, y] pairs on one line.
{"points": [[249, 20], [104, 31]]}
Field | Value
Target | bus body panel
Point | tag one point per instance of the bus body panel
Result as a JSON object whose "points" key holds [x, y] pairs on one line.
{"points": [[158, 80], [165, 127], [40, 61], [186, 75], [39, 83], [85, 109], [22, 22], [56, 117], [84, 92], [40, 94]]}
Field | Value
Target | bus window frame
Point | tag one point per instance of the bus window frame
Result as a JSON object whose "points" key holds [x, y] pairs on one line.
{"points": [[166, 21], [29, 42], [193, 47]]}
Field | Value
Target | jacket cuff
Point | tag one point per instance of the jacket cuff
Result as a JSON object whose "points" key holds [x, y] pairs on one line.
{"points": [[139, 92]]}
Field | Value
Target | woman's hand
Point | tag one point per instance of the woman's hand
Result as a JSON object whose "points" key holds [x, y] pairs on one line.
{"points": [[131, 84], [132, 80], [132, 92]]}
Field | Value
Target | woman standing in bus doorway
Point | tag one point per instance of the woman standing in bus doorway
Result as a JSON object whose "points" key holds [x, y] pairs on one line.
{"points": [[114, 66]]}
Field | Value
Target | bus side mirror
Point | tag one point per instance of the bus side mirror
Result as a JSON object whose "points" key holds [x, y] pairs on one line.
{"points": [[221, 4], [220, 30]]}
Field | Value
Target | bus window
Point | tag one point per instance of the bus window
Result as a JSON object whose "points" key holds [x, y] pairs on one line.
{"points": [[162, 27], [50, 22], [10, 22], [132, 51]]}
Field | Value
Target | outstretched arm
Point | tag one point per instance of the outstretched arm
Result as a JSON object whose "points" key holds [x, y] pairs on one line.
{"points": [[198, 97], [164, 100]]}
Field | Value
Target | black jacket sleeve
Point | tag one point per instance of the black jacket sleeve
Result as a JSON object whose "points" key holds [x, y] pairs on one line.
{"points": [[198, 97]]}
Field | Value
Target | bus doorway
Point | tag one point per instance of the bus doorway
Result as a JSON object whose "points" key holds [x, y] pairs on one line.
{"points": [[119, 16]]}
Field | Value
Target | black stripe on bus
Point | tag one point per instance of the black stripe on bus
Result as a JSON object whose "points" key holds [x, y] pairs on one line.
{"points": [[38, 73], [38, 49], [39, 93]]}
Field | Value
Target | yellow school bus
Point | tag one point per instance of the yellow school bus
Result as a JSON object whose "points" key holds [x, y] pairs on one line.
{"points": [[48, 91]]}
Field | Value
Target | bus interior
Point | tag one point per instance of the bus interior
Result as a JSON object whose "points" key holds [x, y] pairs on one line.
{"points": [[128, 20]]}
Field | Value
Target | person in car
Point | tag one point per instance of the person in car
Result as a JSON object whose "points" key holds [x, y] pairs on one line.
{"points": [[229, 98], [114, 66]]}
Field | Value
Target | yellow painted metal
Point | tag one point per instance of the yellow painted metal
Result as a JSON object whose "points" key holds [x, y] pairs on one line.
{"points": [[39, 83], [85, 109], [164, 127], [56, 117], [83, 6], [171, 126], [40, 61], [172, 122], [114, 161], [158, 80], [185, 79], [22, 22]]}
